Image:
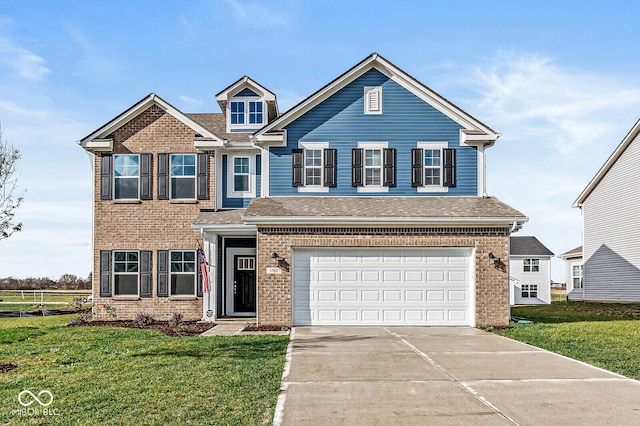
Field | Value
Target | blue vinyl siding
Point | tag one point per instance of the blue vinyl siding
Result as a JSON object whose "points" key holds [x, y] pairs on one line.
{"points": [[405, 121], [238, 203]]}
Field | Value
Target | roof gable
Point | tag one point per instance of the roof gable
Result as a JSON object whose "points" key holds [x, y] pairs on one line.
{"points": [[94, 140], [617, 153], [473, 129], [528, 246]]}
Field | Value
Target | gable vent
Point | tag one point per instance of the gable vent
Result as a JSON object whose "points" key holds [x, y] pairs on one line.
{"points": [[373, 100]]}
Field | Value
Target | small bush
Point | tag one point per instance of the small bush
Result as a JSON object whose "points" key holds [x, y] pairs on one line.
{"points": [[143, 319], [176, 320]]}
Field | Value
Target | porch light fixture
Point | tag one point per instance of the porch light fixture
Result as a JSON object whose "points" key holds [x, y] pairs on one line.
{"points": [[274, 258], [492, 259]]}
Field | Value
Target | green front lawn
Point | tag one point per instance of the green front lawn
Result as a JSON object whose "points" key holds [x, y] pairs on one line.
{"points": [[606, 335], [106, 375]]}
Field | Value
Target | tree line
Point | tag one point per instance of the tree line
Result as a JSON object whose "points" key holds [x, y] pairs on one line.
{"points": [[65, 282]]}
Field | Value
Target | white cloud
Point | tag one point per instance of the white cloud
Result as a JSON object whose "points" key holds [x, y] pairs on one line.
{"points": [[256, 14], [21, 62], [189, 104]]}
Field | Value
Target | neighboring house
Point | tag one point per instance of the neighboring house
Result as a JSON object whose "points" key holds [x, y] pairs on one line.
{"points": [[363, 204], [530, 272], [611, 226], [573, 273]]}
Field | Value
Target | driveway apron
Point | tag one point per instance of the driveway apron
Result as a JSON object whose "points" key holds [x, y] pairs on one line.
{"points": [[438, 375]]}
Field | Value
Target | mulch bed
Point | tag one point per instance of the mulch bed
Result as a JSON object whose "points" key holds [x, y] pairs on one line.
{"points": [[185, 329], [7, 367]]}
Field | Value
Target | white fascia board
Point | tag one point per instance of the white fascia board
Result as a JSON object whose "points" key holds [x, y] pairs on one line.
{"points": [[385, 221], [607, 165], [232, 229], [99, 145], [207, 145], [278, 139], [240, 85], [476, 139]]}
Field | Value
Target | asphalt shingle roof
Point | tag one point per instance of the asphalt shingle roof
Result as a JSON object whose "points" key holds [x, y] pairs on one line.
{"points": [[528, 246], [392, 207], [216, 124], [220, 217]]}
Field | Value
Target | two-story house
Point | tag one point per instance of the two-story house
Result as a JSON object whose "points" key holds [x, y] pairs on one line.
{"points": [[363, 204], [530, 271]]}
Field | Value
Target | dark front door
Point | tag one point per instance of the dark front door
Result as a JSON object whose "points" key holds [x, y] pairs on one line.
{"points": [[244, 283]]}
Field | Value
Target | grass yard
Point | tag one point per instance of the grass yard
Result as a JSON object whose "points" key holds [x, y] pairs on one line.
{"points": [[606, 335], [108, 375]]}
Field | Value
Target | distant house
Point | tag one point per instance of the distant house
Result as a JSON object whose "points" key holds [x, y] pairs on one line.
{"points": [[573, 273], [611, 226], [530, 272]]}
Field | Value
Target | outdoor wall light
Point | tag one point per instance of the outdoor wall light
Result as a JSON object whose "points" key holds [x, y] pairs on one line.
{"points": [[492, 259], [274, 258]]}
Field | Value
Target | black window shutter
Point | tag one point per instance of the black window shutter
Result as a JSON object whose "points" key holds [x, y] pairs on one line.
{"points": [[163, 273], [106, 176], [163, 176], [145, 177], [417, 167], [145, 274], [357, 169], [389, 161], [297, 167], [203, 176], [449, 167], [199, 285], [105, 273], [330, 155]]}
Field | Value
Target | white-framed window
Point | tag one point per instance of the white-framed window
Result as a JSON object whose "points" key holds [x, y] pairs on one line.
{"points": [[529, 290], [372, 166], [183, 176], [432, 166], [373, 100], [241, 175], [183, 273], [576, 276], [531, 265], [313, 166], [247, 113], [126, 176], [126, 268]]}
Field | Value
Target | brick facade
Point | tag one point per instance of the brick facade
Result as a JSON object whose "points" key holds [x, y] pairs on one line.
{"points": [[151, 224], [491, 282]]}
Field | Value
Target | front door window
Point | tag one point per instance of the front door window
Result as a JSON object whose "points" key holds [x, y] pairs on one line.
{"points": [[244, 283]]}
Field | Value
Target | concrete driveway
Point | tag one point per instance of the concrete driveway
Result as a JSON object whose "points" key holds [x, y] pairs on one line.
{"points": [[454, 376]]}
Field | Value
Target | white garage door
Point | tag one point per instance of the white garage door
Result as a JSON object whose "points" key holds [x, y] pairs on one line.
{"points": [[382, 287]]}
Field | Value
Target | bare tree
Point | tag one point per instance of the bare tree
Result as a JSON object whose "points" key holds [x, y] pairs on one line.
{"points": [[9, 202]]}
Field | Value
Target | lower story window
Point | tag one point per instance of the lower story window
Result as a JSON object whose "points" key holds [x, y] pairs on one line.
{"points": [[183, 273], [577, 276], [529, 290], [126, 265]]}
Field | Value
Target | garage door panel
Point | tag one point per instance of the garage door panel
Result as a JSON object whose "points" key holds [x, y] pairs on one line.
{"points": [[381, 287]]}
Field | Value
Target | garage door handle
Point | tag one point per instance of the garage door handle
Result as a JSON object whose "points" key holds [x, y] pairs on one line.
{"points": [[235, 287]]}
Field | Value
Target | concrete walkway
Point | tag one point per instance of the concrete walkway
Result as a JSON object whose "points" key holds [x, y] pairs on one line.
{"points": [[228, 327], [451, 376]]}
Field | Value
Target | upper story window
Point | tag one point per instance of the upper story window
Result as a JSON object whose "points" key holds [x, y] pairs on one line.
{"points": [[183, 176], [183, 273], [576, 276], [373, 167], [126, 176], [531, 265], [373, 100], [245, 113], [433, 167], [126, 267], [314, 167], [241, 174]]}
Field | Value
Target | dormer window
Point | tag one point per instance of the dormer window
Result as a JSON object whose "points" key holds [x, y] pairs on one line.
{"points": [[246, 113]]}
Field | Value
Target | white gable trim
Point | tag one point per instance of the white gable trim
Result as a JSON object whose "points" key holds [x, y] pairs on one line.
{"points": [[245, 83], [387, 68], [617, 153], [94, 139]]}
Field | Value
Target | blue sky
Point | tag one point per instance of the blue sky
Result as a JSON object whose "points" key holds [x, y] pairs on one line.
{"points": [[559, 80]]}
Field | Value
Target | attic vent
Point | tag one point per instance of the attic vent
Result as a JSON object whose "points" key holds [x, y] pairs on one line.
{"points": [[373, 100]]}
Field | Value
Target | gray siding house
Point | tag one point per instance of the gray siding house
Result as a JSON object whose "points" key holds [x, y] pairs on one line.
{"points": [[611, 226]]}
